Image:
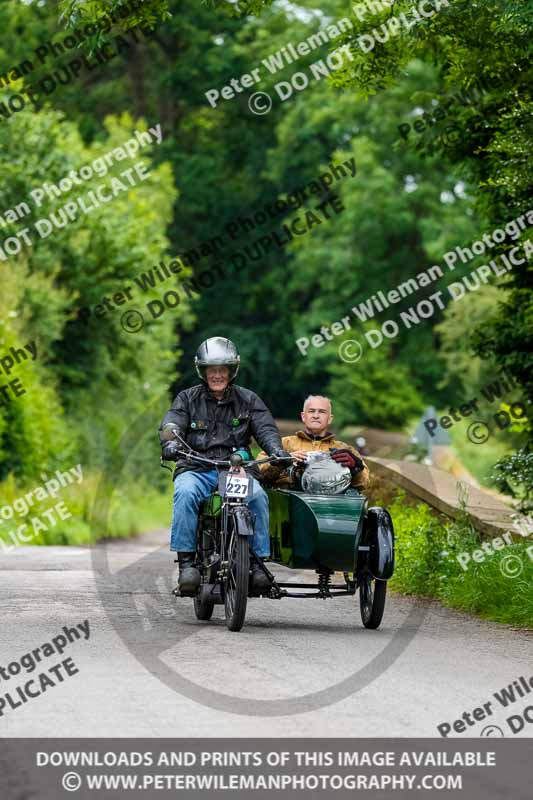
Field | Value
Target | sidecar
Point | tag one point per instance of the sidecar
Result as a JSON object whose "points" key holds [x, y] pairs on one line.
{"points": [[334, 533]]}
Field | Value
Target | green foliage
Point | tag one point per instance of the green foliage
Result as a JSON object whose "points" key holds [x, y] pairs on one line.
{"points": [[370, 391], [396, 223], [32, 426], [427, 546], [463, 368], [470, 63], [420, 540], [513, 475], [90, 378], [479, 459], [508, 335], [409, 203], [135, 507], [237, 8], [146, 14], [492, 138]]}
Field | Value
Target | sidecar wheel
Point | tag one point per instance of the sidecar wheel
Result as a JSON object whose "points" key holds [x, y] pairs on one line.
{"points": [[372, 596]]}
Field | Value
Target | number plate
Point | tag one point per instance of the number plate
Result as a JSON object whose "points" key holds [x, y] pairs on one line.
{"points": [[235, 486]]}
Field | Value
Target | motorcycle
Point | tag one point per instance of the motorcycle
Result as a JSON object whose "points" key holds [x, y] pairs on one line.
{"points": [[322, 524]]}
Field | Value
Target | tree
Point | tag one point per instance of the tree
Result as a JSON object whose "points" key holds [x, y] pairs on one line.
{"points": [[485, 48], [463, 368], [89, 367]]}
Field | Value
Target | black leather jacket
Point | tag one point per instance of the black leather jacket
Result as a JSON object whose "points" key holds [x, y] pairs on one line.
{"points": [[217, 427]]}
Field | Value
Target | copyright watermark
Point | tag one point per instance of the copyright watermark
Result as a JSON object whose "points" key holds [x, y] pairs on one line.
{"points": [[505, 698], [71, 781], [478, 432], [511, 564], [260, 103], [350, 351], [164, 624]]}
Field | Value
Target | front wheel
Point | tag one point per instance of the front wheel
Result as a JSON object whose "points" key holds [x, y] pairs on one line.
{"points": [[236, 583], [203, 607], [372, 595]]}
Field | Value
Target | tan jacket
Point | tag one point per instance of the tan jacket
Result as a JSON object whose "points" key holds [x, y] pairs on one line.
{"points": [[303, 441]]}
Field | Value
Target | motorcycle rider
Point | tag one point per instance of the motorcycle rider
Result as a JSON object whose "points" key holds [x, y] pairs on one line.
{"points": [[317, 417], [216, 417]]}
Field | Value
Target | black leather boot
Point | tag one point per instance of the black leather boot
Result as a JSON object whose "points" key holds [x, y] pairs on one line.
{"points": [[189, 577], [259, 581]]}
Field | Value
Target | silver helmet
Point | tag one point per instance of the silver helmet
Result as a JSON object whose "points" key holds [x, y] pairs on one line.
{"points": [[214, 352], [322, 475]]}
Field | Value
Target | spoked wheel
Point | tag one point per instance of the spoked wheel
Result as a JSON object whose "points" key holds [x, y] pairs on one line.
{"points": [[236, 583], [372, 595], [203, 607]]}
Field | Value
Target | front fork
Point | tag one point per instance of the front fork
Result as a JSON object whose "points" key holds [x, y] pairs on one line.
{"points": [[213, 561], [237, 520]]}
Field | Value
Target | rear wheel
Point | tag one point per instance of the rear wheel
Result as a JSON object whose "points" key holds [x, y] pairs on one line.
{"points": [[236, 583], [372, 596]]}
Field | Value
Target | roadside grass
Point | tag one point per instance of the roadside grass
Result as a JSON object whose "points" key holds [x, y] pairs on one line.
{"points": [[133, 508], [427, 546]]}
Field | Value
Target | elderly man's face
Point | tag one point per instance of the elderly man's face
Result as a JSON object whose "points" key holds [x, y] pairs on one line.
{"points": [[317, 415], [217, 378]]}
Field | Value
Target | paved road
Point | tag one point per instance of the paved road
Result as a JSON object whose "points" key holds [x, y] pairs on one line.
{"points": [[150, 668]]}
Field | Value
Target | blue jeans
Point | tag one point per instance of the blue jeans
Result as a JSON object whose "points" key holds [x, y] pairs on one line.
{"points": [[190, 488]]}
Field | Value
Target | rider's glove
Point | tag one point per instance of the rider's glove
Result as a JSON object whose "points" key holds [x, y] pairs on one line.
{"points": [[347, 459], [170, 451], [279, 452]]}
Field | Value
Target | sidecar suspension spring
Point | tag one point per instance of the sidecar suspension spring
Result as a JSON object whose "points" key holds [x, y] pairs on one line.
{"points": [[324, 580]]}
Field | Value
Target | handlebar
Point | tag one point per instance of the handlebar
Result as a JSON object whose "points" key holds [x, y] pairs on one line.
{"points": [[235, 460]]}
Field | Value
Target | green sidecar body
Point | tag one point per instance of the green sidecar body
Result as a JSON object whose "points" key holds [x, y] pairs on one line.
{"points": [[337, 533]]}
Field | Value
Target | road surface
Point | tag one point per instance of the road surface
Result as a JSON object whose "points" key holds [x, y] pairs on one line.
{"points": [[298, 668]]}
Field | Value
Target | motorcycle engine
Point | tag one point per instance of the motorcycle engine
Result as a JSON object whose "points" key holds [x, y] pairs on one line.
{"points": [[322, 475]]}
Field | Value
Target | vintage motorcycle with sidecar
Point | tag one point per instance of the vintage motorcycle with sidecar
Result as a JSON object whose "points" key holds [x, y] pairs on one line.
{"points": [[321, 525]]}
